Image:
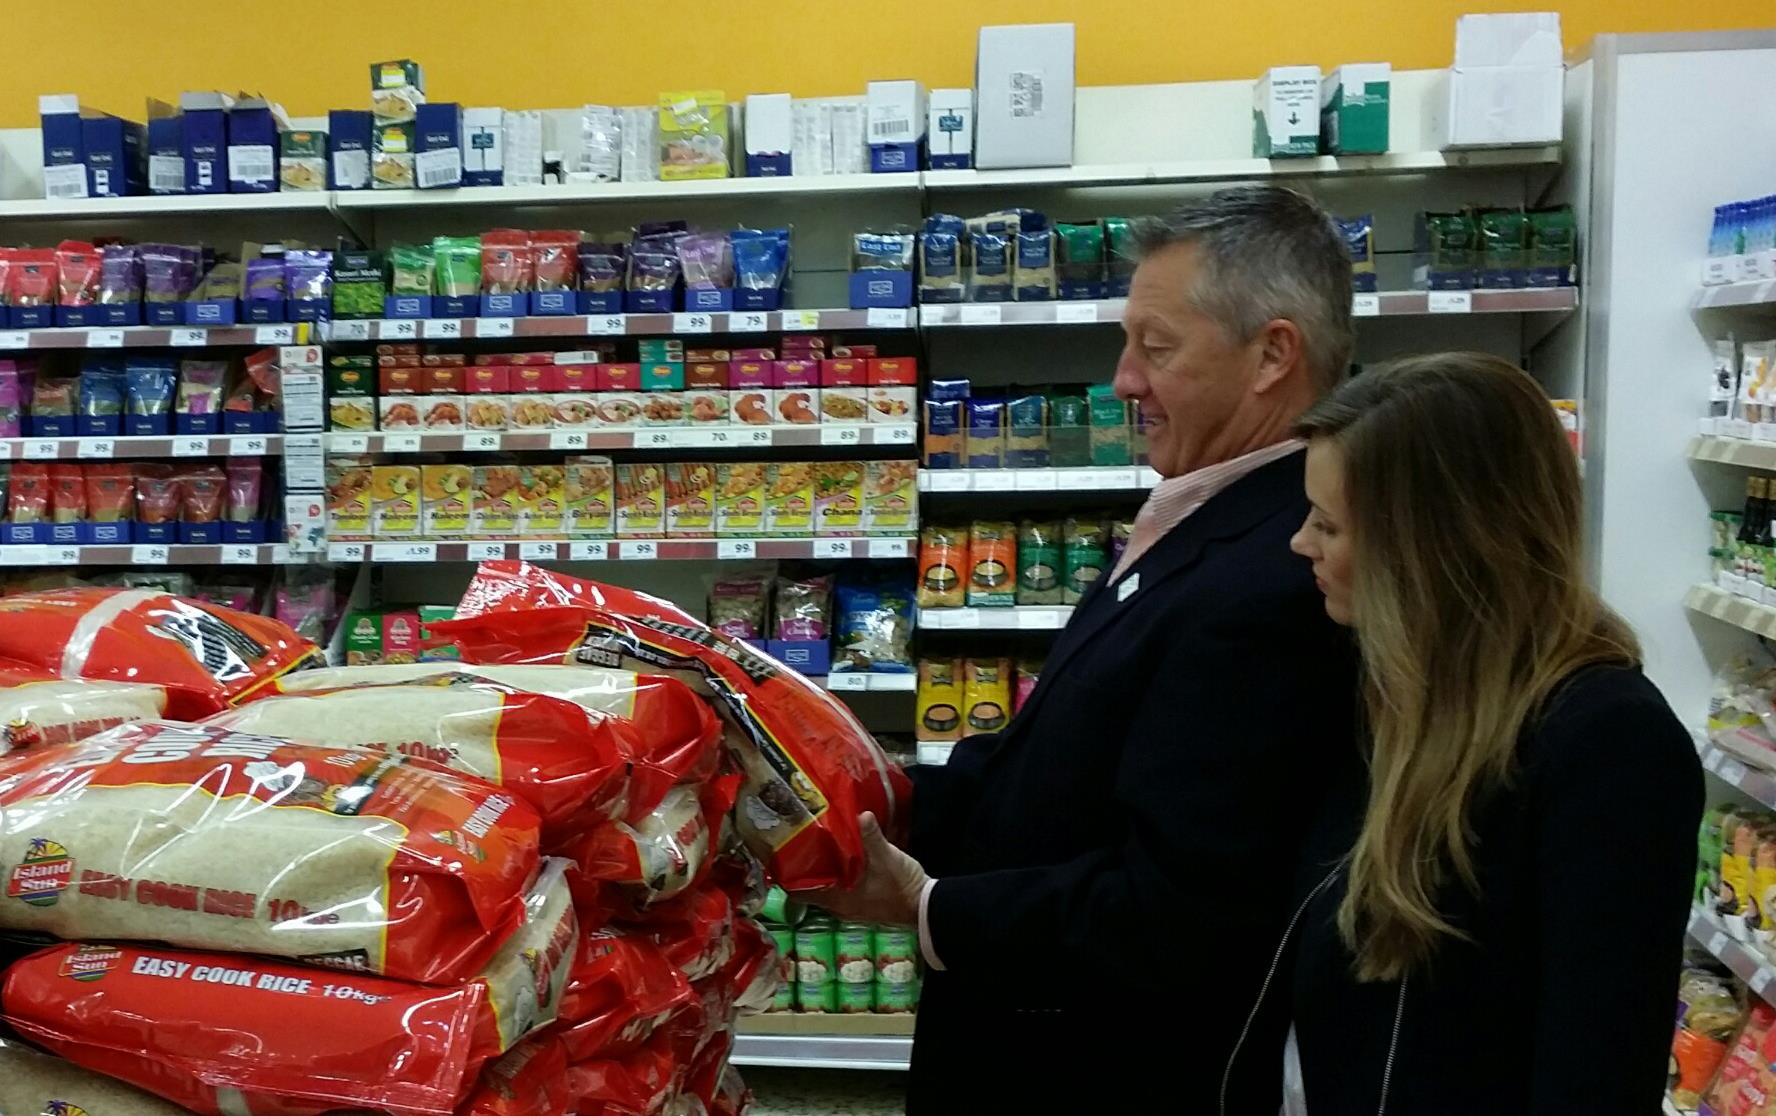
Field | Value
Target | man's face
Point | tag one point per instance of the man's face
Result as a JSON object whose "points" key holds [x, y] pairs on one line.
{"points": [[1191, 380]]}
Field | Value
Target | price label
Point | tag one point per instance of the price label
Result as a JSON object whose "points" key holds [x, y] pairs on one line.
{"points": [[944, 480], [567, 440], [443, 329], [537, 551], [1713, 761], [962, 618], [62, 556], [104, 338], [404, 552], [748, 322], [1365, 306], [886, 318], [1076, 313], [801, 319], [654, 439], [16, 555], [588, 551], [188, 338], [640, 551], [987, 314], [401, 443], [398, 329], [847, 682], [1760, 980], [481, 441], [493, 327], [607, 325], [888, 548], [98, 447], [191, 447], [1035, 480], [832, 548], [345, 552], [349, 443], [754, 436], [692, 323], [351, 331], [1732, 771], [14, 339], [1044, 620], [149, 555], [249, 445], [716, 436], [280, 554], [240, 555], [1716, 943], [485, 551], [275, 335], [41, 449], [896, 434], [1075, 480], [1450, 302], [840, 435], [1117, 478], [994, 480], [737, 548]]}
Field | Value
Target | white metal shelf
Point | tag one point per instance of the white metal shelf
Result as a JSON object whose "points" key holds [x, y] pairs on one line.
{"points": [[678, 324], [1712, 933], [145, 555], [163, 205], [1378, 304], [129, 447], [712, 436], [153, 337], [594, 193], [1735, 772], [1732, 608], [1750, 292], [1027, 618], [1054, 479], [825, 1041], [627, 550], [859, 682], [935, 752], [1750, 453], [1235, 170]]}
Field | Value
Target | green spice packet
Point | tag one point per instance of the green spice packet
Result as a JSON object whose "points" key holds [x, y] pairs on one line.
{"points": [[458, 262], [410, 269], [1553, 247]]}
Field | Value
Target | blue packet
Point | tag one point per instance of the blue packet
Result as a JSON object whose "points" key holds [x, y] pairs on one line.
{"points": [[101, 392], [761, 258], [874, 629], [149, 387], [940, 259]]}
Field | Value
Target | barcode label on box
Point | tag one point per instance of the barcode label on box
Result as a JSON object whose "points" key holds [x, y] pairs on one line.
{"points": [[67, 181], [891, 129], [438, 169], [252, 162]]}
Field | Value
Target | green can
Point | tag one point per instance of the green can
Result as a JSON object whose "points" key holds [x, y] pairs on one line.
{"points": [[784, 938], [856, 999], [896, 999], [779, 907], [897, 955], [816, 951], [855, 953]]}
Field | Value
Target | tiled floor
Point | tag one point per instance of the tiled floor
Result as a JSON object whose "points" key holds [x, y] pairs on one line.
{"points": [[799, 1092]]}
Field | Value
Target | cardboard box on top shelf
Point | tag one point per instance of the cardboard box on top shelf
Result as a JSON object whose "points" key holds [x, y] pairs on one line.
{"points": [[166, 149], [349, 140], [1508, 39], [302, 160], [1354, 109], [64, 151], [116, 156], [1499, 106], [522, 142], [1023, 91], [850, 145], [769, 135], [204, 122], [483, 150], [895, 120], [1286, 113], [949, 129], [438, 129], [810, 137], [253, 127]]}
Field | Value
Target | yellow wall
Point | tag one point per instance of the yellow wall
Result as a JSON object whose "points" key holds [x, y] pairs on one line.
{"points": [[554, 53]]}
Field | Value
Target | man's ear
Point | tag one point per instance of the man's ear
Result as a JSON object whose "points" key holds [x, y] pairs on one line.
{"points": [[1280, 353]]}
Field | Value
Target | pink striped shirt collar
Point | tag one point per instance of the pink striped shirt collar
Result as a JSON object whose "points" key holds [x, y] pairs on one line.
{"points": [[1173, 500]]}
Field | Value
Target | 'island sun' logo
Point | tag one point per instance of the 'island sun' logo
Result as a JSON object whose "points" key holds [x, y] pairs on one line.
{"points": [[44, 873], [63, 1108]]}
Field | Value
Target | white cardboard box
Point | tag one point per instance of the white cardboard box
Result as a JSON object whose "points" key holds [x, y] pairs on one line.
{"points": [[896, 111], [483, 133], [1286, 112], [1508, 39], [769, 130], [850, 149], [811, 136], [1499, 106], [949, 129], [522, 146], [1023, 85]]}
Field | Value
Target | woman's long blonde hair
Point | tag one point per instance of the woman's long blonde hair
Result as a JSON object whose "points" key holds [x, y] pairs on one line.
{"points": [[1470, 606]]}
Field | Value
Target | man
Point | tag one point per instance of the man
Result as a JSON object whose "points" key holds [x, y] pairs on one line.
{"points": [[1101, 887]]}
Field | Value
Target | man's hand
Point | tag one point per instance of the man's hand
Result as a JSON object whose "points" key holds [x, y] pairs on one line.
{"points": [[890, 888]]}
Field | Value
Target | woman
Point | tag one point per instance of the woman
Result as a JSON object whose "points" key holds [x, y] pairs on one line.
{"points": [[1493, 908]]}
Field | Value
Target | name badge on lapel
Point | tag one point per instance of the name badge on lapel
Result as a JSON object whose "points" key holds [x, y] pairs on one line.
{"points": [[1127, 587]]}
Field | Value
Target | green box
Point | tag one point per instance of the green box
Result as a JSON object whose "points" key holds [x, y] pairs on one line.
{"points": [[351, 376], [1286, 113], [1109, 426], [432, 614], [363, 639], [359, 289], [1354, 109], [395, 74]]}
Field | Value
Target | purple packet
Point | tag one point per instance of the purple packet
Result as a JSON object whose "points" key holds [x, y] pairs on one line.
{"points": [[120, 275], [707, 260], [169, 271], [200, 386], [11, 401], [265, 280], [602, 266], [653, 264], [308, 275]]}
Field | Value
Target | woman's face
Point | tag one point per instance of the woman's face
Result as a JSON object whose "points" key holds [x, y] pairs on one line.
{"points": [[1325, 539]]}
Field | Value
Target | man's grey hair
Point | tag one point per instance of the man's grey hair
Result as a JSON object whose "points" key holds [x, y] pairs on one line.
{"points": [[1267, 252]]}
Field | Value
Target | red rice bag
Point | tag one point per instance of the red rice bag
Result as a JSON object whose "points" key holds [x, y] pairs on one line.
{"points": [[626, 867], [158, 493], [568, 762], [207, 656], [67, 494], [215, 840], [636, 1084], [508, 263], [622, 989], [204, 487], [110, 492], [531, 1080], [27, 497], [557, 258], [810, 768], [31, 277], [694, 931], [78, 265], [39, 709]]}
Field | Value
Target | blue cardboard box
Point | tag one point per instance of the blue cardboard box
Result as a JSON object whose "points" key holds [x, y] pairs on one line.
{"points": [[119, 314], [881, 288], [649, 302], [775, 165], [253, 126], [348, 149], [197, 424], [164, 313], [50, 426], [552, 303], [162, 533], [116, 156], [455, 306], [64, 148], [33, 317], [200, 533], [211, 312], [758, 298], [406, 306], [204, 123], [262, 310], [110, 533], [23, 534], [504, 306], [308, 309], [98, 426], [438, 164], [709, 298], [807, 656], [147, 425], [65, 534], [166, 149], [600, 302], [894, 158], [252, 531], [76, 316]]}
